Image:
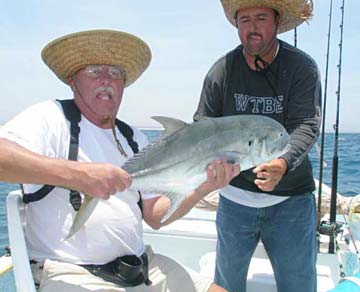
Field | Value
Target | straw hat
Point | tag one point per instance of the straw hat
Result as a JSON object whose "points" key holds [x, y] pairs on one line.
{"points": [[70, 53], [292, 12]]}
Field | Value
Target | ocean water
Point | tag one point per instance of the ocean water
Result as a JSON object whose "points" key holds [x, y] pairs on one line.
{"points": [[348, 181]]}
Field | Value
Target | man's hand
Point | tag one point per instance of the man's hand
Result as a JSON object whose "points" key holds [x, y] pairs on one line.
{"points": [[269, 174], [101, 179], [219, 175], [19, 165]]}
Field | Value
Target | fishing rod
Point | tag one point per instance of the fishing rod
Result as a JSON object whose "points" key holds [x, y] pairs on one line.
{"points": [[324, 114], [336, 128], [295, 37]]}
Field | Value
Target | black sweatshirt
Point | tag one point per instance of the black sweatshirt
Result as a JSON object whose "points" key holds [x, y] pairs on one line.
{"points": [[288, 90]]}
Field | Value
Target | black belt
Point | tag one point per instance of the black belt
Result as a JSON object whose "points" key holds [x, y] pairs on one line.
{"points": [[125, 271]]}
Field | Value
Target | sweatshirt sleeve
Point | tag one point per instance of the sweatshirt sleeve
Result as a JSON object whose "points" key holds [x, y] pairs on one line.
{"points": [[212, 93], [303, 113]]}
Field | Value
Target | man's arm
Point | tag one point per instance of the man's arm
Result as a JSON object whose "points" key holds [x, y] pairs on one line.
{"points": [[19, 165], [303, 114], [302, 122], [219, 174], [212, 93]]}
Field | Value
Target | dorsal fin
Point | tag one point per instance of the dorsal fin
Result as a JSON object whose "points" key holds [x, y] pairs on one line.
{"points": [[201, 118], [170, 125]]}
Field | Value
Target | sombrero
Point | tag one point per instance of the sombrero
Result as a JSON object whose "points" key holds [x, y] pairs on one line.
{"points": [[70, 53], [292, 12]]}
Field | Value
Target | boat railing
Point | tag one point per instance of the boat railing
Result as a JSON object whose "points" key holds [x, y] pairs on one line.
{"points": [[21, 265]]}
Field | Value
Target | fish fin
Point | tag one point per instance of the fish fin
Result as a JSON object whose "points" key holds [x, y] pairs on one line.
{"points": [[202, 118], [232, 157], [175, 201], [87, 207], [198, 118], [170, 125], [131, 163]]}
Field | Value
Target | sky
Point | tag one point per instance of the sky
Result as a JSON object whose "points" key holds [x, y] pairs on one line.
{"points": [[186, 37]]}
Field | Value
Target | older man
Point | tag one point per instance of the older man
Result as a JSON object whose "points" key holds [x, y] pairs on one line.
{"points": [[36, 146], [274, 201]]}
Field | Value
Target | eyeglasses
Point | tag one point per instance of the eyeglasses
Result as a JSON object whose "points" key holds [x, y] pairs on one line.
{"points": [[112, 72]]}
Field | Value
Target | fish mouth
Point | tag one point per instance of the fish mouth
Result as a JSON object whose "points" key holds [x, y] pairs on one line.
{"points": [[287, 147], [279, 150]]}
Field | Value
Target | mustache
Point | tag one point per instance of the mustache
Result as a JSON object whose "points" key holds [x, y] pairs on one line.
{"points": [[105, 89], [250, 34]]}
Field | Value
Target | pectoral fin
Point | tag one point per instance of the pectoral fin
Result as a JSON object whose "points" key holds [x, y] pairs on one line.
{"points": [[232, 157], [175, 201]]}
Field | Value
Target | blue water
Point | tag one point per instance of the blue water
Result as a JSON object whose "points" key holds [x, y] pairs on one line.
{"points": [[348, 182]]}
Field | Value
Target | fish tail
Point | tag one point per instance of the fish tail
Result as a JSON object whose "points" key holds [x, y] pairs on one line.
{"points": [[86, 209]]}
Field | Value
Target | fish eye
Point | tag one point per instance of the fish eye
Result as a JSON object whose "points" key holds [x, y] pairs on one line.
{"points": [[250, 143]]}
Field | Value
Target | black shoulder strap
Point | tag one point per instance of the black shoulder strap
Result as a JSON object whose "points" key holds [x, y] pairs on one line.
{"points": [[72, 113], [38, 195], [128, 133]]}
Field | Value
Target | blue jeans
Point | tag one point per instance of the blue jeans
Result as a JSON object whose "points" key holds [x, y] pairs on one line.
{"points": [[288, 232]]}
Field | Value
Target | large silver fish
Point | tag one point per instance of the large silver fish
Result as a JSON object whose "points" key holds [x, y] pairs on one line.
{"points": [[176, 164]]}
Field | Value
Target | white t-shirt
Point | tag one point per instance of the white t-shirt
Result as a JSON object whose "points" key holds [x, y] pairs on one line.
{"points": [[250, 199], [115, 227]]}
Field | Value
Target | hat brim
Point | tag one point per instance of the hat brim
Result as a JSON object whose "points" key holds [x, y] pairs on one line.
{"points": [[67, 55], [292, 12]]}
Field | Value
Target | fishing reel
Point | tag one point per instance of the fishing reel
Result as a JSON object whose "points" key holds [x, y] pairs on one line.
{"points": [[330, 228]]}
